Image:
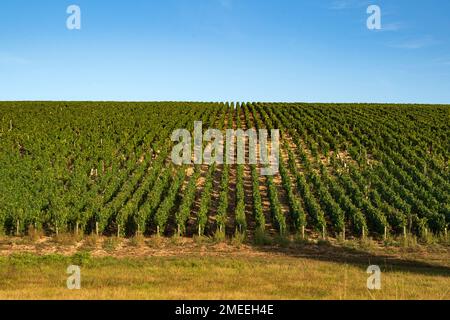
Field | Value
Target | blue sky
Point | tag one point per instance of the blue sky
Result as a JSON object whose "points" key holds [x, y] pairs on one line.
{"points": [[226, 50]]}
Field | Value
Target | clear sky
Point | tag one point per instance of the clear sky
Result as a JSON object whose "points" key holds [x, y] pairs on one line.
{"points": [[226, 50]]}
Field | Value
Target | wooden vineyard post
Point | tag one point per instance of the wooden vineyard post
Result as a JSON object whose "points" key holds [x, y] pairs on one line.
{"points": [[404, 232], [96, 228], [323, 232], [303, 232], [76, 229], [17, 227], [343, 234], [446, 234], [363, 233], [385, 233], [118, 231], [57, 230]]}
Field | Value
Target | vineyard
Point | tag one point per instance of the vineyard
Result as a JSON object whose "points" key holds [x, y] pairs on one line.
{"points": [[105, 168]]}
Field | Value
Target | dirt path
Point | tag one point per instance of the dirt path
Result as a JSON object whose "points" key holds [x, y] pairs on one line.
{"points": [[263, 190], [248, 181]]}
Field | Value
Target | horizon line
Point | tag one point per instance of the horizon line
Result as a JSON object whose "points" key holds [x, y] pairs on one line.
{"points": [[232, 101]]}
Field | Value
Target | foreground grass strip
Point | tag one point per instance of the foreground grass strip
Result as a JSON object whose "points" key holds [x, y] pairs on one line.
{"points": [[26, 276]]}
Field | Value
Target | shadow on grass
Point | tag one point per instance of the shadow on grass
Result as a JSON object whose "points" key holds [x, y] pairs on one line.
{"points": [[327, 252]]}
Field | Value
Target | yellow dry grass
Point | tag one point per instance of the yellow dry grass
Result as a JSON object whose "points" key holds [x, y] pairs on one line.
{"points": [[214, 277]]}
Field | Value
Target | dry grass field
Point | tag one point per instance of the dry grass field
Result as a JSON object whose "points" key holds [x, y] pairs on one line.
{"points": [[180, 268]]}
